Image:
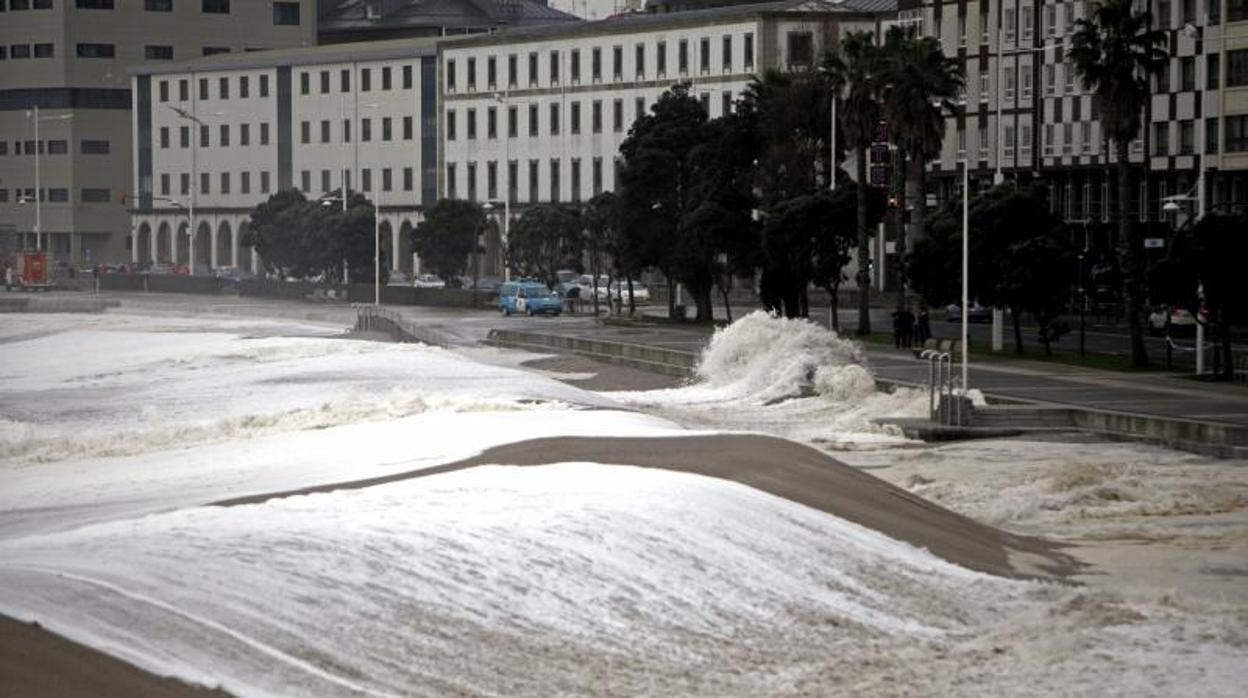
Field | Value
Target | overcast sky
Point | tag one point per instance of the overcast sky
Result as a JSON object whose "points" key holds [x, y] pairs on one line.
{"points": [[589, 9]]}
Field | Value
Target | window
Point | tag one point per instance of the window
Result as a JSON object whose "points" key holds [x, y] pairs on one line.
{"points": [[46, 51], [639, 108], [450, 180], [1161, 138], [305, 132], [95, 4], [704, 55], [244, 87], [491, 122], [617, 62], [726, 57], [983, 85], [407, 128], [554, 119], [1011, 25], [491, 180], [58, 147], [513, 180], [409, 179], [576, 66], [1212, 72], [244, 134], [1048, 139], [962, 28], [214, 50], [1187, 73], [387, 179], [555, 188], [472, 181], [472, 124], [95, 196], [1211, 135], [1236, 126], [366, 79], [491, 72], [617, 116], [164, 137], [96, 51], [533, 125], [1050, 79], [264, 85], [1163, 15], [184, 137], [705, 100], [513, 121], [682, 56], [158, 5], [576, 117], [1024, 143], [1237, 68], [1163, 77], [533, 176], [801, 49], [164, 90], [596, 176], [1187, 137], [19, 51], [1187, 10], [366, 179], [366, 130], [184, 183], [305, 83], [264, 182], [983, 142], [305, 182], [385, 78], [216, 7], [1026, 82], [472, 73], [639, 59], [596, 64], [164, 185], [264, 133], [660, 58], [386, 128], [325, 130], [513, 70], [225, 182], [554, 67], [225, 135], [451, 127], [158, 53], [346, 130], [58, 195], [223, 88], [725, 103], [596, 116], [748, 50], [1214, 8], [533, 69], [286, 14], [576, 179], [203, 136], [1027, 23], [324, 82], [244, 183]]}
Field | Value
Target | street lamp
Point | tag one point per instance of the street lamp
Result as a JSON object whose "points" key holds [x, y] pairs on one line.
{"points": [[376, 221], [34, 115], [1176, 203], [189, 115], [501, 98]]}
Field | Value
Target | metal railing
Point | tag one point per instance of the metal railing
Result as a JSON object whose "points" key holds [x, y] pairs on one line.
{"points": [[376, 318], [946, 400]]}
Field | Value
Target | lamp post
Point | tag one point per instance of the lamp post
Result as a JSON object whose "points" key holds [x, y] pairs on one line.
{"points": [[34, 115], [966, 268], [1172, 204], [189, 115], [376, 220], [501, 98]]}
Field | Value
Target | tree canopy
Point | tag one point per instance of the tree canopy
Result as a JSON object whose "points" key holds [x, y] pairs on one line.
{"points": [[447, 236]]}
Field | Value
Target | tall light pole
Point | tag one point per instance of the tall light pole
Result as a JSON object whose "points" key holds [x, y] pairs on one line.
{"points": [[966, 268], [34, 114], [376, 220], [501, 98], [189, 115]]}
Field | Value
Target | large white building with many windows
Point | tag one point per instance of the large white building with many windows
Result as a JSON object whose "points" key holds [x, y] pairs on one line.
{"points": [[215, 137], [538, 114]]}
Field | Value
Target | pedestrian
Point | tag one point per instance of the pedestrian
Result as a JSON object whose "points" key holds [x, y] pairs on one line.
{"points": [[897, 315], [924, 327], [907, 328]]}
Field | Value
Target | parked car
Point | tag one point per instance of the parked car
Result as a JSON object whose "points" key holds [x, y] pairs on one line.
{"points": [[1181, 321], [586, 284], [231, 276], [428, 281], [641, 295], [977, 313], [528, 297], [160, 269], [399, 278]]}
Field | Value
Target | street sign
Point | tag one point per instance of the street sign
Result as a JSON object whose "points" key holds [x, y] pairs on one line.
{"points": [[879, 175], [880, 154], [1153, 243]]}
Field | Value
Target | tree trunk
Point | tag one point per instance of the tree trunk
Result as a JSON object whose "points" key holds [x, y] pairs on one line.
{"points": [[727, 306], [1130, 251], [803, 299], [864, 251], [632, 302], [901, 230], [920, 204], [1018, 330], [702, 300], [671, 297], [835, 322]]}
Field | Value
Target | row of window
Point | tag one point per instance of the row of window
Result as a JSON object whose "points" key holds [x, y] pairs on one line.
{"points": [[225, 182], [554, 174], [224, 179], [88, 50], [554, 65], [366, 130], [344, 80], [284, 13], [56, 195], [223, 88], [387, 180], [554, 111], [56, 147], [223, 136]]}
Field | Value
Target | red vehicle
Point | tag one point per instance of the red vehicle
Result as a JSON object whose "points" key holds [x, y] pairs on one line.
{"points": [[30, 270]]}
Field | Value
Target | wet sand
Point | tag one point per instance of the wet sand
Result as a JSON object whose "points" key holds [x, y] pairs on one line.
{"points": [[36, 662], [783, 468]]}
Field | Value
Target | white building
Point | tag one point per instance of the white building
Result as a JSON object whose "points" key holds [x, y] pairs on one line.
{"points": [[539, 113], [215, 137]]}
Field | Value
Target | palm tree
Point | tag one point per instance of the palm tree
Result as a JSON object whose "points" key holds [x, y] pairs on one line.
{"points": [[921, 84], [855, 73], [1114, 53]]}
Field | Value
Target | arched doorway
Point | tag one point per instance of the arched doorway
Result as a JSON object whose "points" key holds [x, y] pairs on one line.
{"points": [[143, 245], [405, 248], [164, 244], [387, 249], [225, 244], [244, 252], [203, 247]]}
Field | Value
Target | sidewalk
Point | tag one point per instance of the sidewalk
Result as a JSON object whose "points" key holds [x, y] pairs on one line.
{"points": [[1148, 394]]}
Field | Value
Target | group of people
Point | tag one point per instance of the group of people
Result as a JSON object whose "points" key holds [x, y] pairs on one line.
{"points": [[909, 330]]}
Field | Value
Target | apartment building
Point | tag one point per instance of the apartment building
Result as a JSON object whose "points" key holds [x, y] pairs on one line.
{"points": [[538, 115], [1026, 116], [217, 136], [68, 59], [342, 21]]}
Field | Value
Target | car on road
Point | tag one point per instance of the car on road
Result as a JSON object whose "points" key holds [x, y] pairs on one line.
{"points": [[977, 313], [428, 281], [399, 278], [1181, 321], [529, 298]]}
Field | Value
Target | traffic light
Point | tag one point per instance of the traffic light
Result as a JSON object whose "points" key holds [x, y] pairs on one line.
{"points": [[892, 201]]}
